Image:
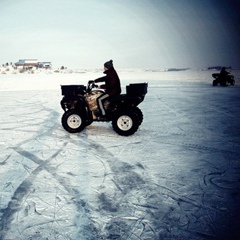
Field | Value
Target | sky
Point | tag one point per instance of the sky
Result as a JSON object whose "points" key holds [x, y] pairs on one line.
{"points": [[151, 34]]}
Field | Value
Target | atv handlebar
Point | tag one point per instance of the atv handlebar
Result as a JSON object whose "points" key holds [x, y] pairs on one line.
{"points": [[91, 84]]}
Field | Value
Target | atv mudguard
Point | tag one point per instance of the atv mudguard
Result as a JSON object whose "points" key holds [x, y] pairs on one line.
{"points": [[68, 102], [124, 100]]}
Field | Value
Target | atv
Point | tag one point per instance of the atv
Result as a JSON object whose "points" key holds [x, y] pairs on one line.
{"points": [[223, 81], [80, 107]]}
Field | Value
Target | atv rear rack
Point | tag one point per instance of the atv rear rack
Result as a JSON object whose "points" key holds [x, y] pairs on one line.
{"points": [[137, 89]]}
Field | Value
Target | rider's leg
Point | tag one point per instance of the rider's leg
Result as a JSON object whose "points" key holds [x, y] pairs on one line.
{"points": [[100, 100]]}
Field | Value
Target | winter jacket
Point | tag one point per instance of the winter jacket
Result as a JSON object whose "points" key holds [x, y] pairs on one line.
{"points": [[224, 73], [112, 82]]}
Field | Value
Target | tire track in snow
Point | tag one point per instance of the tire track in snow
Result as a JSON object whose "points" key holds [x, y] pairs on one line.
{"points": [[124, 180], [23, 189], [151, 208], [188, 143], [130, 186]]}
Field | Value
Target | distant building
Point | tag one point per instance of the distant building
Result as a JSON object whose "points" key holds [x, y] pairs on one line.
{"points": [[27, 63], [32, 63], [44, 64]]}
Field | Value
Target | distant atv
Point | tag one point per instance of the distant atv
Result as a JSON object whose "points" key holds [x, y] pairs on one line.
{"points": [[81, 109], [223, 81]]}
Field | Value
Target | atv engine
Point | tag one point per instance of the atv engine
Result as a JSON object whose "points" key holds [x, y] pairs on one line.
{"points": [[91, 99]]}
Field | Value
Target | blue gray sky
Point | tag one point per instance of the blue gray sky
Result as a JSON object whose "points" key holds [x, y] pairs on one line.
{"points": [[134, 33]]}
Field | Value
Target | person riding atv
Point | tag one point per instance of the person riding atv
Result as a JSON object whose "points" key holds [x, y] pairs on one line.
{"points": [[224, 73], [82, 106], [223, 78], [112, 85]]}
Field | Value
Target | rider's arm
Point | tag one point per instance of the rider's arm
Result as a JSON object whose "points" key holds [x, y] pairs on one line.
{"points": [[101, 79], [103, 86]]}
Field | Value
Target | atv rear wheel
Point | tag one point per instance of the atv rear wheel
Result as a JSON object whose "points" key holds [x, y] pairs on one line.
{"points": [[232, 82], [73, 121], [126, 123], [139, 114]]}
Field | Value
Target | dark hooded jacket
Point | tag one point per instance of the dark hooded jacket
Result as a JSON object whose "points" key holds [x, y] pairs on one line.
{"points": [[112, 82], [224, 73]]}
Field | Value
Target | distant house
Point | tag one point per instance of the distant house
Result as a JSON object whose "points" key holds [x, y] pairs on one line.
{"points": [[27, 63], [32, 63]]}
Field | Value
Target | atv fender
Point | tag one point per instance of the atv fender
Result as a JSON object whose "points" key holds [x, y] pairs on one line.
{"points": [[73, 102]]}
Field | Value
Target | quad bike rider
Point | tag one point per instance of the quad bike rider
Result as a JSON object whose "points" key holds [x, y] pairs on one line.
{"points": [[112, 86], [83, 104], [224, 78]]}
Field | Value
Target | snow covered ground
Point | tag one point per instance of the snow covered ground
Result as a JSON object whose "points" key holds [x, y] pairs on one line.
{"points": [[178, 177]]}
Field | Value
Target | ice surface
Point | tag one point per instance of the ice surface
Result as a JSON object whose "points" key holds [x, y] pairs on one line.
{"points": [[177, 177]]}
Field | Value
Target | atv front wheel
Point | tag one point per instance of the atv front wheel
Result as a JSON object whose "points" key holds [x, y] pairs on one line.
{"points": [[215, 83], [73, 121], [223, 83], [125, 123]]}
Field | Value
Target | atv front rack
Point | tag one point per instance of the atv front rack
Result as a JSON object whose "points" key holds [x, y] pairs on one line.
{"points": [[73, 90]]}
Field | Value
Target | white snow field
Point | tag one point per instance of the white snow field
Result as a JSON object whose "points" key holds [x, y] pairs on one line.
{"points": [[177, 177]]}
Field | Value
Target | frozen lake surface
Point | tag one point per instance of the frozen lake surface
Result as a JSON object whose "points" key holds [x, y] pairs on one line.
{"points": [[177, 177]]}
